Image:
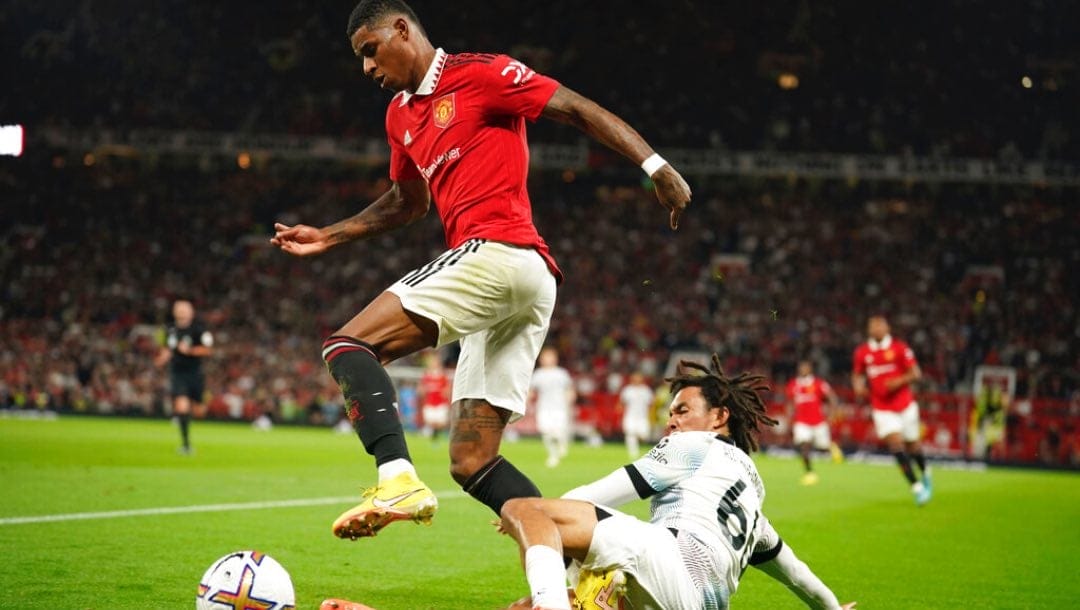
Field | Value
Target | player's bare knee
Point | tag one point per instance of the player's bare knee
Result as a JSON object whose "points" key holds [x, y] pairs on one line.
{"points": [[513, 508]]}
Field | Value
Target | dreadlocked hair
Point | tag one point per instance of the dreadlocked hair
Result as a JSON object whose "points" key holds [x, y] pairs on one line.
{"points": [[741, 395]]}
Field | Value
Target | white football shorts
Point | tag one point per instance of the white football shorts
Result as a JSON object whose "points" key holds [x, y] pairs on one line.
{"points": [[648, 554], [436, 416], [553, 422], [497, 300], [635, 426], [817, 435], [905, 422]]}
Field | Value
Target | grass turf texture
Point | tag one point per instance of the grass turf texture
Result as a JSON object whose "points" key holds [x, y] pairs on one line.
{"points": [[995, 539]]}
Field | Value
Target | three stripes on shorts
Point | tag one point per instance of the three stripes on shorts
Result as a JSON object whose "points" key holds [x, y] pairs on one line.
{"points": [[446, 259]]}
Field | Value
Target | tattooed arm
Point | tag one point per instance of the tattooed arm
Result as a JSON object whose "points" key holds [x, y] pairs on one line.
{"points": [[405, 202]]}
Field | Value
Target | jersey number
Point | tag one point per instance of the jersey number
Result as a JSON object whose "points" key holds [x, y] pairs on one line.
{"points": [[732, 520], [732, 517]]}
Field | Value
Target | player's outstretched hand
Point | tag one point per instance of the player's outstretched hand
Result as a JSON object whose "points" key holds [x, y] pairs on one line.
{"points": [[672, 191], [299, 240]]}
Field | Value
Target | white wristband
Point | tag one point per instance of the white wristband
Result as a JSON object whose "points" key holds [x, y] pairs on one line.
{"points": [[652, 164]]}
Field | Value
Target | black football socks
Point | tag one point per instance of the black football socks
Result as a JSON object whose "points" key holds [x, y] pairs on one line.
{"points": [[497, 482], [370, 399], [184, 419], [905, 465]]}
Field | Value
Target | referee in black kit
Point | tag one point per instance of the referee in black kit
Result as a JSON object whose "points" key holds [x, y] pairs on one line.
{"points": [[187, 342]]}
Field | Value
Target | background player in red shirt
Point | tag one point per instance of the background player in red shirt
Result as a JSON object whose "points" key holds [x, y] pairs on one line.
{"points": [[456, 129], [886, 367], [809, 427], [434, 397]]}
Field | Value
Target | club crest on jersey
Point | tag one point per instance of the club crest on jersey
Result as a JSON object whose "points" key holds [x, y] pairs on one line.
{"points": [[889, 355], [442, 110]]}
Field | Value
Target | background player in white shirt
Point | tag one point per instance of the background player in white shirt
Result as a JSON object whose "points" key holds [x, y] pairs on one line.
{"points": [[635, 399], [553, 390], [706, 522]]}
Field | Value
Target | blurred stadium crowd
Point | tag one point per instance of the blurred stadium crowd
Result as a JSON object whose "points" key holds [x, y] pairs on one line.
{"points": [[969, 275], [923, 76], [764, 271]]}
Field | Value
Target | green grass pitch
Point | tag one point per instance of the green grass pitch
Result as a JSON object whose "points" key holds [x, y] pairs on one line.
{"points": [[993, 539]]}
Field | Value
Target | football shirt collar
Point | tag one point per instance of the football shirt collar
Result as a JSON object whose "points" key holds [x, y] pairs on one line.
{"points": [[885, 342], [431, 78]]}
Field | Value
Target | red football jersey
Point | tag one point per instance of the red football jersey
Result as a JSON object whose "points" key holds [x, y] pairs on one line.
{"points": [[881, 361], [434, 387], [807, 393], [463, 131]]}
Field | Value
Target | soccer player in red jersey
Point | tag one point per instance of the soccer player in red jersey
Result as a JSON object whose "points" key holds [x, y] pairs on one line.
{"points": [[456, 129], [435, 397], [809, 428], [885, 367]]}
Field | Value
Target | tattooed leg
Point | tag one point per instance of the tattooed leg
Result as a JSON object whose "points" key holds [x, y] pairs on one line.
{"points": [[476, 429]]}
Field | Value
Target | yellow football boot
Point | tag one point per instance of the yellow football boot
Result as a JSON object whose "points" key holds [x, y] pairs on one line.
{"points": [[600, 590], [401, 498], [836, 453]]}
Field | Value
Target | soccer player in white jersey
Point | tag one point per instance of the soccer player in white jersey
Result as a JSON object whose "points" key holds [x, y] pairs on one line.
{"points": [[553, 390], [634, 400], [706, 522]]}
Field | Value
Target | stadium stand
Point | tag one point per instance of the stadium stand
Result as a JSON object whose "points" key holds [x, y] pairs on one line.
{"points": [[864, 83], [763, 270]]}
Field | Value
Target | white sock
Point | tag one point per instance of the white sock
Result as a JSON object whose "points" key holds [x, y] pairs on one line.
{"points": [[393, 468], [547, 577]]}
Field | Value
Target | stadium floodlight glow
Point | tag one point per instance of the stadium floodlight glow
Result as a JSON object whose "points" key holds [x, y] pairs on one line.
{"points": [[1025, 82], [11, 140]]}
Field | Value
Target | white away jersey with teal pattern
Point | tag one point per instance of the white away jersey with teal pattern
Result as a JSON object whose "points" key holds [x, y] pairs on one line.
{"points": [[706, 488]]}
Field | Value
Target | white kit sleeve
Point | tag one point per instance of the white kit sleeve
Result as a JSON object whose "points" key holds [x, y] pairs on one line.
{"points": [[797, 576], [614, 490]]}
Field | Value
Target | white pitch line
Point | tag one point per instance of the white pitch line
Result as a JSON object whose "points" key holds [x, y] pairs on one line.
{"points": [[200, 508]]}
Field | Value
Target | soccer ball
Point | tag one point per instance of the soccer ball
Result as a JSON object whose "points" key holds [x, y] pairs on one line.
{"points": [[245, 580]]}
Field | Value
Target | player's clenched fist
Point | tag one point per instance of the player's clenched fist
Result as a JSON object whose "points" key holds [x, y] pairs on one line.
{"points": [[672, 191]]}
